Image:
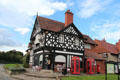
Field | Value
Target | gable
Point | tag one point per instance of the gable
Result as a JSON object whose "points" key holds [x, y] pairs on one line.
{"points": [[36, 29], [71, 29]]}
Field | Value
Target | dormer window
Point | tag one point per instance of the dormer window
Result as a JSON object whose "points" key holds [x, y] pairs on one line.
{"points": [[61, 38], [105, 55]]}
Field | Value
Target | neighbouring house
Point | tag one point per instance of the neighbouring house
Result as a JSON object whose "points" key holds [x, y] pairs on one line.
{"points": [[109, 52], [91, 53], [54, 43]]}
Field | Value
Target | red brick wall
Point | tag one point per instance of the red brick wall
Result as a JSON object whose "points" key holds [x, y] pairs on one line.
{"points": [[68, 17], [102, 66]]}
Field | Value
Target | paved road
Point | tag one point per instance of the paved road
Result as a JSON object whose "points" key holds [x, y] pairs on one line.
{"points": [[3, 75]]}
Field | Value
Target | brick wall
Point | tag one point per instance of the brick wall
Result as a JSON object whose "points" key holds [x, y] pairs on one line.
{"points": [[102, 66], [68, 17]]}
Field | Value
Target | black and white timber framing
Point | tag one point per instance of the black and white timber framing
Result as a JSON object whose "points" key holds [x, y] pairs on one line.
{"points": [[67, 42]]}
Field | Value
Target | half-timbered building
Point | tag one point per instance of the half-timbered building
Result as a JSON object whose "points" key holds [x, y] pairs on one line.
{"points": [[53, 42]]}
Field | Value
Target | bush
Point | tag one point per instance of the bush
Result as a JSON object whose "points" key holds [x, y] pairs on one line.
{"points": [[14, 68], [26, 60]]}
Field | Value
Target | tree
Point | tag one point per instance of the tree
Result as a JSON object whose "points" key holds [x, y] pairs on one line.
{"points": [[11, 56]]}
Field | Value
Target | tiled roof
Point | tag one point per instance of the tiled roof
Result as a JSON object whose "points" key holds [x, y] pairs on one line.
{"points": [[88, 39], [50, 24], [89, 53], [105, 47]]}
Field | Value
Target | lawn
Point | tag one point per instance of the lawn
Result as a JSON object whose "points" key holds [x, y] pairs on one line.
{"points": [[91, 77]]}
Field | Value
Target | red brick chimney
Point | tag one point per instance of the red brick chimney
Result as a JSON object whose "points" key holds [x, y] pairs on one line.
{"points": [[118, 45], [68, 17]]}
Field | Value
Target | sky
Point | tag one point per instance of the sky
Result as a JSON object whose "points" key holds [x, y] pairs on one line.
{"points": [[100, 19]]}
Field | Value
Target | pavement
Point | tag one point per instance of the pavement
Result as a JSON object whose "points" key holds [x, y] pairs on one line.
{"points": [[29, 75], [36, 75], [3, 74]]}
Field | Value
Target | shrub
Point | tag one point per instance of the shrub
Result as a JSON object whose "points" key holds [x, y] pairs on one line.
{"points": [[14, 68], [26, 60]]}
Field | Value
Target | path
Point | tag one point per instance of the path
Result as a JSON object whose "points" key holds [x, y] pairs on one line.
{"points": [[41, 75], [3, 75], [29, 75]]}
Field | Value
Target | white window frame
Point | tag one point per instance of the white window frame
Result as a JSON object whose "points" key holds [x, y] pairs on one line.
{"points": [[77, 43], [61, 38]]}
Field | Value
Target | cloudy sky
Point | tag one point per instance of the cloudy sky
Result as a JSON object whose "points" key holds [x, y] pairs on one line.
{"points": [[97, 18]]}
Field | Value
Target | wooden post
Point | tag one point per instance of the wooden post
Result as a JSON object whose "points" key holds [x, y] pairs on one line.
{"points": [[118, 65], [106, 70], [43, 64], [53, 60], [66, 64]]}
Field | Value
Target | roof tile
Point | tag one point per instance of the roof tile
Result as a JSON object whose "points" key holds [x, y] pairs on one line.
{"points": [[49, 24], [105, 47]]}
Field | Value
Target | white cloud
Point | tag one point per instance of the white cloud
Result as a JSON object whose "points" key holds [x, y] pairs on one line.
{"points": [[21, 48], [19, 15], [8, 42], [110, 30], [31, 7], [70, 3], [22, 30], [88, 8]]}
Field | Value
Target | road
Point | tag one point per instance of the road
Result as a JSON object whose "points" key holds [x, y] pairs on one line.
{"points": [[3, 75], [35, 76]]}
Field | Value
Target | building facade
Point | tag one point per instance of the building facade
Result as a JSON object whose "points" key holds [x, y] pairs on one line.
{"points": [[54, 42]]}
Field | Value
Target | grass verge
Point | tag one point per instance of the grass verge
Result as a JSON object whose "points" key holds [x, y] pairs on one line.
{"points": [[91, 77]]}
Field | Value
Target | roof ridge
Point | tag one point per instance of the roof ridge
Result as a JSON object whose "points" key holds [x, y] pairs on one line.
{"points": [[51, 19], [105, 42], [107, 45]]}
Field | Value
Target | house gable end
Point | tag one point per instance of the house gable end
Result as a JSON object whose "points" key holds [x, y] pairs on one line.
{"points": [[36, 29], [71, 29]]}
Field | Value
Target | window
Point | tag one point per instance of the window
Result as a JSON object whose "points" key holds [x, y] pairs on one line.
{"points": [[77, 41], [77, 65], [37, 44], [61, 38], [119, 55], [105, 55]]}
